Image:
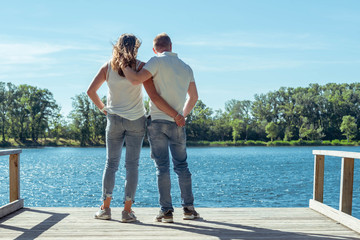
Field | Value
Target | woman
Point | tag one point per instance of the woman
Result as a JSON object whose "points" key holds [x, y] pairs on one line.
{"points": [[125, 123]]}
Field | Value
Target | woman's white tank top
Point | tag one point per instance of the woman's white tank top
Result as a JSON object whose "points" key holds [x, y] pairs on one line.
{"points": [[124, 99]]}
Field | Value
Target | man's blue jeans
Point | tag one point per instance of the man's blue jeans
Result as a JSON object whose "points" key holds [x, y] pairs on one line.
{"points": [[162, 135], [118, 131]]}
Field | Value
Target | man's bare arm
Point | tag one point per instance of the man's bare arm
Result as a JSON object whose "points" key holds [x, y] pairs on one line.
{"points": [[136, 78], [162, 104], [191, 101]]}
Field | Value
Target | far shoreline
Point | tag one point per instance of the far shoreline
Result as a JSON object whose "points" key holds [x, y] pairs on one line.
{"points": [[241, 143]]}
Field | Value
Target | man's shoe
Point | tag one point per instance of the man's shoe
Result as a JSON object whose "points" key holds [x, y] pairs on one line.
{"points": [[166, 217], [104, 214], [128, 217], [190, 213]]}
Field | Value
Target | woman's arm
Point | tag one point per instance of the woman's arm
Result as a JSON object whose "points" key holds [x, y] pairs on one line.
{"points": [[95, 85]]}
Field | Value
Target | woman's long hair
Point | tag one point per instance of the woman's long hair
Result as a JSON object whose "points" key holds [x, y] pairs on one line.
{"points": [[125, 52]]}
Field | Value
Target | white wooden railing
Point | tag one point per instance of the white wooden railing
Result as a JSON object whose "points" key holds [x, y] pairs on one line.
{"points": [[14, 182], [343, 215]]}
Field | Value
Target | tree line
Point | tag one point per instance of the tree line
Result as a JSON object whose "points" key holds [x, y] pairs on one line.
{"points": [[316, 112], [29, 113]]}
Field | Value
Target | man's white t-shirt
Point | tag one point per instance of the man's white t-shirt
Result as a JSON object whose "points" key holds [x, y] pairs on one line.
{"points": [[172, 78]]}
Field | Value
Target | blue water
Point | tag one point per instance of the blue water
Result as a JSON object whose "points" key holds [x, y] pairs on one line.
{"points": [[222, 177]]}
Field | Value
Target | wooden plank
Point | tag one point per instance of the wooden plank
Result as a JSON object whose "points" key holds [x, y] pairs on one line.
{"points": [[318, 190], [355, 155], [14, 176], [10, 151], [11, 207], [216, 223], [346, 186], [343, 218]]}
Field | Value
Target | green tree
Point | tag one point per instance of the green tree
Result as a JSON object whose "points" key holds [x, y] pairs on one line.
{"points": [[288, 116], [19, 111], [198, 122], [348, 127], [80, 116], [240, 110], [236, 127], [4, 123], [272, 130], [220, 127], [57, 125], [266, 107], [97, 123], [41, 104], [25, 111], [288, 133], [310, 131], [339, 99]]}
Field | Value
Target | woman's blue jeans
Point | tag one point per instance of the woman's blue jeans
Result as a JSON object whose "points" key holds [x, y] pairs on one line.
{"points": [[162, 136], [118, 131]]}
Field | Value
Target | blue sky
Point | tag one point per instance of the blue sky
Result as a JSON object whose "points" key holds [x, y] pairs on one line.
{"points": [[236, 48]]}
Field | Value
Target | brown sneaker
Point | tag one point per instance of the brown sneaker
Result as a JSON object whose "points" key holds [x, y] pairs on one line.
{"points": [[190, 213], [166, 217]]}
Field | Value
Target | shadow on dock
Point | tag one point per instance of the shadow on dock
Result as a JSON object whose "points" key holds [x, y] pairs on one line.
{"points": [[227, 231], [36, 230]]}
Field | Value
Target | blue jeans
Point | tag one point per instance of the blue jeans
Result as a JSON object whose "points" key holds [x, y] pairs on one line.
{"points": [[162, 135], [118, 131]]}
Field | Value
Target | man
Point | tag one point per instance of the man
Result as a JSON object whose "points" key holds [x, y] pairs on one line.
{"points": [[170, 81]]}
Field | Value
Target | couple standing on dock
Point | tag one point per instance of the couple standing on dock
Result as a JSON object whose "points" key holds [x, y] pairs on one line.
{"points": [[167, 80]]}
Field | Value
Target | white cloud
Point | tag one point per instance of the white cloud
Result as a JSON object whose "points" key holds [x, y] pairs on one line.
{"points": [[28, 75], [32, 53], [21, 61], [20, 53]]}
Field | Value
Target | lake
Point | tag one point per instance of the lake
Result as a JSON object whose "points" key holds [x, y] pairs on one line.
{"points": [[222, 177]]}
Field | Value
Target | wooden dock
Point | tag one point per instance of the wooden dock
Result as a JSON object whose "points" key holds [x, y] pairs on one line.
{"points": [[216, 223], [317, 222]]}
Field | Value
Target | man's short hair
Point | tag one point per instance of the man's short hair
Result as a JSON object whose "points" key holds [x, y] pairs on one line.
{"points": [[162, 42]]}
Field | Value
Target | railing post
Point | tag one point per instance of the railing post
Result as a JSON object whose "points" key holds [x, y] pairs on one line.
{"points": [[318, 189], [14, 179], [346, 186], [14, 182]]}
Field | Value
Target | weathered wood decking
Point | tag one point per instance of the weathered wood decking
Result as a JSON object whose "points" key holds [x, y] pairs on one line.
{"points": [[216, 223]]}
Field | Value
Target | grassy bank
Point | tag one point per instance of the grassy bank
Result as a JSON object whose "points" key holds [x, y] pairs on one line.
{"points": [[44, 143], [73, 143], [335, 142]]}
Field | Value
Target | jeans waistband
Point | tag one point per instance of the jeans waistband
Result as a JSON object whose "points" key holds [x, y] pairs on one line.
{"points": [[160, 121]]}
